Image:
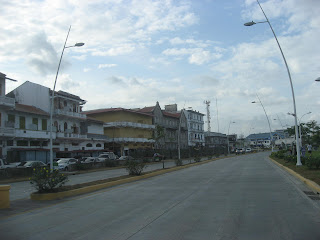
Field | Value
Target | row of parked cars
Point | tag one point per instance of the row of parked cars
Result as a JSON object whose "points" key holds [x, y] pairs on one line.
{"points": [[243, 150], [65, 164]]}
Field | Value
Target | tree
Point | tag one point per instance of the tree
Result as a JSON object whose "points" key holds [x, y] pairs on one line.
{"points": [[159, 136]]}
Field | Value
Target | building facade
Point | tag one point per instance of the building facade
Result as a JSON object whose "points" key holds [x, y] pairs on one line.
{"points": [[125, 129], [195, 126]]}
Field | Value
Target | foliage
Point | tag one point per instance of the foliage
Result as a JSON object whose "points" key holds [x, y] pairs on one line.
{"points": [[197, 159], [135, 167], [111, 163], [313, 162], [46, 181], [178, 162], [310, 132]]}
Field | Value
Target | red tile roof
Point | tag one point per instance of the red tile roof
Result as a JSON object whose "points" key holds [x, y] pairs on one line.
{"points": [[170, 114], [147, 109], [106, 110]]}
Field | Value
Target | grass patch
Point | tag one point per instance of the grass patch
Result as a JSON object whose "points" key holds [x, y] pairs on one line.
{"points": [[311, 174]]}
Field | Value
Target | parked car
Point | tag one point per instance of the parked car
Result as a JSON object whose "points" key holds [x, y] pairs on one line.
{"points": [[4, 164], [248, 150], [65, 164], [89, 160], [126, 158], [108, 155], [31, 164], [238, 151]]}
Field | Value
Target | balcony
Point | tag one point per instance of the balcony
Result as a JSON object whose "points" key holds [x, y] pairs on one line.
{"points": [[69, 114], [7, 102], [26, 133], [7, 132], [131, 140], [128, 124], [67, 135]]}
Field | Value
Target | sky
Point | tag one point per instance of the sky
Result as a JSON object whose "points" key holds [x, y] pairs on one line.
{"points": [[138, 52]]}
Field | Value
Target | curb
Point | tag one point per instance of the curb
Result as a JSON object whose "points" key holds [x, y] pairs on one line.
{"points": [[314, 186], [88, 189]]}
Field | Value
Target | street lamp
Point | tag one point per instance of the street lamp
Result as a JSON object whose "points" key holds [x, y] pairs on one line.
{"points": [[318, 79], [52, 95], [271, 138], [228, 136], [293, 98]]}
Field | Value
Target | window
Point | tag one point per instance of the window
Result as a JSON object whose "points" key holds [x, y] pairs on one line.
{"points": [[22, 143], [11, 118], [22, 122], [44, 124], [89, 145], [65, 126], [98, 145], [10, 143], [34, 143]]}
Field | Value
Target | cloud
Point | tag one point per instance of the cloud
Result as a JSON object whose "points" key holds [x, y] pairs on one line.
{"points": [[107, 65], [197, 56]]}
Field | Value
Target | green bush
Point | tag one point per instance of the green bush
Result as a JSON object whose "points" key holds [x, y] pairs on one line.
{"points": [[290, 158], [46, 181], [197, 159], [111, 163], [178, 162], [313, 162], [135, 167]]}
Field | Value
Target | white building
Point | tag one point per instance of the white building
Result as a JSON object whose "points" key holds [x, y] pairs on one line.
{"points": [[25, 124], [195, 125]]}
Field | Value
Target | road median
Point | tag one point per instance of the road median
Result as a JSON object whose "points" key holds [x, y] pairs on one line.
{"points": [[96, 187]]}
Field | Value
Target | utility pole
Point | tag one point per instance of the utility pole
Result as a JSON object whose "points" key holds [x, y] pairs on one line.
{"points": [[208, 114]]}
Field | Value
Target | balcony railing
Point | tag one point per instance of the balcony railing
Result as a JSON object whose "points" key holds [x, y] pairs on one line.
{"points": [[6, 101], [70, 135], [26, 133], [133, 140], [67, 113], [128, 124], [7, 132]]}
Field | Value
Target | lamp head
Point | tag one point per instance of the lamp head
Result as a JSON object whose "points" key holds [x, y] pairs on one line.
{"points": [[248, 24], [318, 79], [79, 44]]}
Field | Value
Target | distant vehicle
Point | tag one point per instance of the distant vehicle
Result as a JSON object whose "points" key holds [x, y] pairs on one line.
{"points": [[32, 164], [89, 160], [242, 150], [108, 155], [4, 164], [157, 157], [238, 151], [65, 164], [248, 150], [126, 158]]}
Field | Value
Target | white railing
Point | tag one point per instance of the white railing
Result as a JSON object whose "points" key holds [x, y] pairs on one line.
{"points": [[6, 131], [128, 124], [70, 135], [134, 140], [71, 114], [7, 101], [31, 134]]}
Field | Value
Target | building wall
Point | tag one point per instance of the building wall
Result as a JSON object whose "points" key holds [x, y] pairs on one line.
{"points": [[95, 128], [34, 95], [123, 116], [128, 132]]}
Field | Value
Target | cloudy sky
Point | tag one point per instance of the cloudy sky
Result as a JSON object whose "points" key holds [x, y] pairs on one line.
{"points": [[138, 52]]}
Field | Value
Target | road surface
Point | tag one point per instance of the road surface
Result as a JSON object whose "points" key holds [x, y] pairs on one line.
{"points": [[244, 197]]}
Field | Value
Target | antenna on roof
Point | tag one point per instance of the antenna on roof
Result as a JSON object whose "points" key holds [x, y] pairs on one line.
{"points": [[208, 114]]}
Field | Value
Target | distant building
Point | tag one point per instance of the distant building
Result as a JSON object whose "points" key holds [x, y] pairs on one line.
{"points": [[213, 139], [195, 125]]}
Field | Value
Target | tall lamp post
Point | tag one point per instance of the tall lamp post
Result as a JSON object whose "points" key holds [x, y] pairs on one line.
{"points": [[288, 71], [318, 79], [52, 95], [228, 136], [271, 138]]}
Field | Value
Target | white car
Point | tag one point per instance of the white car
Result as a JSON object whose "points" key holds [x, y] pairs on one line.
{"points": [[89, 160], [31, 164], [248, 150], [65, 164]]}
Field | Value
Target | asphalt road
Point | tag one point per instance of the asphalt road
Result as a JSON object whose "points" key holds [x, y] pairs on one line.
{"points": [[22, 190], [245, 197]]}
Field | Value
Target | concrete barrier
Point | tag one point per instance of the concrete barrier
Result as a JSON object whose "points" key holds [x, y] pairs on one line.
{"points": [[4, 196]]}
